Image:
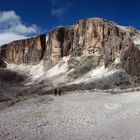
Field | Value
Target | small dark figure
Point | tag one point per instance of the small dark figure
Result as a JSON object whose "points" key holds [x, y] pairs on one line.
{"points": [[55, 92], [59, 92]]}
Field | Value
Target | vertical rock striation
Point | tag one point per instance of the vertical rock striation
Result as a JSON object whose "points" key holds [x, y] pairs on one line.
{"points": [[24, 51], [59, 44]]}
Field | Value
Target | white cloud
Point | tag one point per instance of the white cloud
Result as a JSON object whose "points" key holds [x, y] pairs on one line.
{"points": [[6, 16], [22, 29], [8, 37], [12, 28]]}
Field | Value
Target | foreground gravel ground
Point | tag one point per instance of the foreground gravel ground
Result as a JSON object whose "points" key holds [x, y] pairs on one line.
{"points": [[81, 115]]}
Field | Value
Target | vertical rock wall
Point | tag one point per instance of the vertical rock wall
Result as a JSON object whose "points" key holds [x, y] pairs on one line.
{"points": [[24, 51]]}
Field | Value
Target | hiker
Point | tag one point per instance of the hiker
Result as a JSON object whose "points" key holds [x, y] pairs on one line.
{"points": [[59, 92], [55, 92]]}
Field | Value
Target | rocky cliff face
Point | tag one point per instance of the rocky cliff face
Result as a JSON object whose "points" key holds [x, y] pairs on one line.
{"points": [[98, 38], [105, 42], [24, 51]]}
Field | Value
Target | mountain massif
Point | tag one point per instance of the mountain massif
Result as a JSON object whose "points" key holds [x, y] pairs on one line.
{"points": [[88, 53]]}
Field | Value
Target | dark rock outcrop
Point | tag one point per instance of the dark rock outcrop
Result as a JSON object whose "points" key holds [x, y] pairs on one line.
{"points": [[11, 76], [24, 51], [2, 64]]}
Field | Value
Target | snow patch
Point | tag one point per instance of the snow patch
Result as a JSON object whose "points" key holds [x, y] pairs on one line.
{"points": [[123, 28], [117, 61], [136, 40]]}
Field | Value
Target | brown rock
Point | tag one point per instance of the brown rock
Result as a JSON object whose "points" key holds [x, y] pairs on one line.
{"points": [[24, 51], [59, 44]]}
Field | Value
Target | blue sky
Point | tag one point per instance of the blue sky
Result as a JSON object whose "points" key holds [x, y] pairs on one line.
{"points": [[23, 18]]}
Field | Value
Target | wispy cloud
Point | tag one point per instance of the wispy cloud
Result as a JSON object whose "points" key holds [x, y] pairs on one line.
{"points": [[59, 8], [12, 28], [58, 12]]}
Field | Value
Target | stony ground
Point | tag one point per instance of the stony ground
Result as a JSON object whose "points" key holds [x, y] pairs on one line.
{"points": [[81, 115]]}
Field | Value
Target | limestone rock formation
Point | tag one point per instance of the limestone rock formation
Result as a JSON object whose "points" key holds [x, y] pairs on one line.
{"points": [[99, 38], [104, 41], [24, 51]]}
